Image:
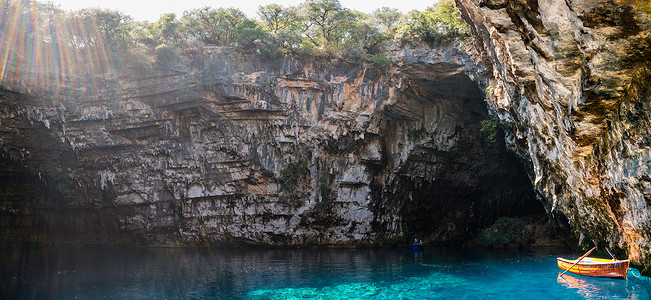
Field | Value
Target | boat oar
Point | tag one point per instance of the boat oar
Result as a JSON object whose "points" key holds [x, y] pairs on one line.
{"points": [[611, 255], [578, 260]]}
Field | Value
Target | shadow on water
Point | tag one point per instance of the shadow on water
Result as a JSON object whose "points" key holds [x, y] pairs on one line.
{"points": [[41, 272]]}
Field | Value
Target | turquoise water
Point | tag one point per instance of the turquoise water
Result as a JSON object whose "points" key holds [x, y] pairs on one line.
{"points": [[396, 273]]}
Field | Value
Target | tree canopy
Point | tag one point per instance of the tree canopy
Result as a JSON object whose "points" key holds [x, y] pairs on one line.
{"points": [[439, 24], [315, 27]]}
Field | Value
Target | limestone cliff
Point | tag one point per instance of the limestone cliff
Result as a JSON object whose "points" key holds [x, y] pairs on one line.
{"points": [[221, 148], [571, 84]]}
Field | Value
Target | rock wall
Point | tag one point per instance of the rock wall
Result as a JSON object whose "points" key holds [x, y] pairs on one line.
{"points": [[570, 82], [228, 149]]}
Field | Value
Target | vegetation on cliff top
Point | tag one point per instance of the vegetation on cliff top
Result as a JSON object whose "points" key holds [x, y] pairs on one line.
{"points": [[104, 39]]}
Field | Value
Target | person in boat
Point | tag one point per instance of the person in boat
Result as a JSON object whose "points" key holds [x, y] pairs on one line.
{"points": [[417, 246]]}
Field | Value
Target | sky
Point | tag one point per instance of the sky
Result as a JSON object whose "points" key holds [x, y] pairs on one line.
{"points": [[151, 10]]}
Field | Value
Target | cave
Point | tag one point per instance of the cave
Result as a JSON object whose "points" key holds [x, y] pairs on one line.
{"points": [[254, 150], [457, 179]]}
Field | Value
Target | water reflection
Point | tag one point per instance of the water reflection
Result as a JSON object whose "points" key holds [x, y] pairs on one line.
{"points": [[602, 288], [68, 272], [204, 273]]}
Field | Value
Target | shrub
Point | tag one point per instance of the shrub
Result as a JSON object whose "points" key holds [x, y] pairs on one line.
{"points": [[307, 49], [381, 62], [325, 189], [289, 175], [505, 232], [491, 126], [166, 57], [59, 181], [269, 51]]}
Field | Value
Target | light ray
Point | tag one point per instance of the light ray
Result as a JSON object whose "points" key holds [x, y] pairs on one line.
{"points": [[48, 52]]}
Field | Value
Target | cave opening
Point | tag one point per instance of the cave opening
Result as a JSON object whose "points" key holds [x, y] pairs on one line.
{"points": [[457, 180]]}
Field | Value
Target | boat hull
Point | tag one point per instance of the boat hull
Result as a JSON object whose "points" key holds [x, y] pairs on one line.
{"points": [[596, 267]]}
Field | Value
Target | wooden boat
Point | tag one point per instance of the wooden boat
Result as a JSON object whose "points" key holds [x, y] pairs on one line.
{"points": [[598, 267]]}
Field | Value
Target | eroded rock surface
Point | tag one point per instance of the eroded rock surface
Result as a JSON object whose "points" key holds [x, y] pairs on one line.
{"points": [[245, 150], [571, 81]]}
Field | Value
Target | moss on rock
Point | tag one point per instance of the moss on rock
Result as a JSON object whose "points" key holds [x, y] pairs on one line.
{"points": [[505, 233]]}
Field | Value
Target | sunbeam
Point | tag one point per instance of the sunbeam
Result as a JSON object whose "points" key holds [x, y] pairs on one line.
{"points": [[44, 50]]}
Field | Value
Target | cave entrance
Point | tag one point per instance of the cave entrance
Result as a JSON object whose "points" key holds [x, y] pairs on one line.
{"points": [[455, 179]]}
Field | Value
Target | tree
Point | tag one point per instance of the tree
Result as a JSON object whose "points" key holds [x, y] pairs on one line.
{"points": [[436, 25], [385, 18], [101, 38], [34, 22], [167, 28], [276, 18], [213, 26], [365, 35], [326, 22], [248, 33], [144, 33], [109, 25], [285, 25], [449, 19]]}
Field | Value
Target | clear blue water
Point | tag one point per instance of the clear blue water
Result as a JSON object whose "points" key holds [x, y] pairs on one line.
{"points": [[396, 273]]}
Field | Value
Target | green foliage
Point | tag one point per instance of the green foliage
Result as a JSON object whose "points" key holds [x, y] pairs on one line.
{"points": [[60, 182], [269, 50], [289, 175], [111, 25], [307, 49], [166, 57], [385, 18], [276, 18], [365, 35], [491, 126], [326, 22], [213, 26], [41, 34], [324, 187], [284, 25], [505, 232], [437, 25], [490, 90], [249, 33], [381, 62], [167, 29], [109, 39], [143, 34], [417, 134]]}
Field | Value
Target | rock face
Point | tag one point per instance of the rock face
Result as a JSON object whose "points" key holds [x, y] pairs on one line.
{"points": [[243, 150], [570, 79]]}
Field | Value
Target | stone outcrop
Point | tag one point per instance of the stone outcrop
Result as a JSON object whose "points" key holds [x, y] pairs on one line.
{"points": [[228, 149], [570, 81]]}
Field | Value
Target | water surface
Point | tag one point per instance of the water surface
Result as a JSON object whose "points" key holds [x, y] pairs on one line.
{"points": [[30, 272]]}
